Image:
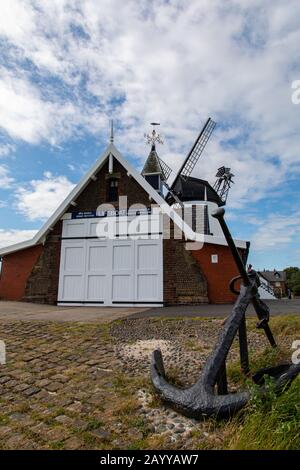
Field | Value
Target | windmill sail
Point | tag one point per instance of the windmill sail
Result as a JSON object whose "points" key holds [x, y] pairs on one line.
{"points": [[166, 170], [196, 151]]}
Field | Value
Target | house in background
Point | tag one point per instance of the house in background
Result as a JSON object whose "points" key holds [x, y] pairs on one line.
{"points": [[276, 280], [265, 290]]}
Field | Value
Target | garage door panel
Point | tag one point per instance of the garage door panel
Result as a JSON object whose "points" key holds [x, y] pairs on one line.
{"points": [[97, 228], [96, 287], [149, 274], [74, 228], [73, 258], [72, 287], [148, 255], [147, 287], [122, 287], [122, 257], [97, 257]]}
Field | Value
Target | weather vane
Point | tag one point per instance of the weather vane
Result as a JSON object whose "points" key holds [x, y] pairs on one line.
{"points": [[154, 137]]}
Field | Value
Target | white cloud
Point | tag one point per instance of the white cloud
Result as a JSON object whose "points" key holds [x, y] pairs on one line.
{"points": [[176, 62], [6, 149], [5, 179], [26, 115], [10, 237], [39, 199], [276, 230]]}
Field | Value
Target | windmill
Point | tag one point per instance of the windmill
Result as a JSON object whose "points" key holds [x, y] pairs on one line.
{"points": [[175, 190], [223, 182], [184, 187]]}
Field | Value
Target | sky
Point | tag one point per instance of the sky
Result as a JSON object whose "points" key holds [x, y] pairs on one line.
{"points": [[69, 66]]}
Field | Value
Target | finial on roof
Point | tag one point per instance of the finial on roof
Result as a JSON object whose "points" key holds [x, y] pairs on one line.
{"points": [[153, 138], [111, 131]]}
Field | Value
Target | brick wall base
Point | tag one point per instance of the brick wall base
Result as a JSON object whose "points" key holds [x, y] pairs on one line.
{"points": [[184, 280]]}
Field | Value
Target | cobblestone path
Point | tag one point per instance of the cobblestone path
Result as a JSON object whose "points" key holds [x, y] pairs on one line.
{"points": [[86, 386], [58, 387]]}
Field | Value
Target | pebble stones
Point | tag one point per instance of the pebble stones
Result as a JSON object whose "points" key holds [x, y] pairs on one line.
{"points": [[135, 358], [163, 420]]}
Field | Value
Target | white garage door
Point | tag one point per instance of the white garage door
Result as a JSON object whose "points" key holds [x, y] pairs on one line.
{"points": [[114, 272]]}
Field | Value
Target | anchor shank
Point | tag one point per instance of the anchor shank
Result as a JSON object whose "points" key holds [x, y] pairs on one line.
{"points": [[219, 354], [244, 347], [219, 214], [258, 305]]}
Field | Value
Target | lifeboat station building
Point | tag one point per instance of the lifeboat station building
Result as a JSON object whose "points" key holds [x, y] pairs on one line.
{"points": [[116, 240]]}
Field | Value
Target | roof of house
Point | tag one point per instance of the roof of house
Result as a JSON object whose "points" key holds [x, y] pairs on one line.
{"points": [[40, 236], [273, 276]]}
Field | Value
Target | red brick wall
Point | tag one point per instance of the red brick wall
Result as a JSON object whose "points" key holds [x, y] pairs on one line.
{"points": [[219, 274], [96, 191], [16, 268]]}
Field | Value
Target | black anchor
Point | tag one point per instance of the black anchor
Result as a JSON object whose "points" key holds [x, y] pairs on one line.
{"points": [[201, 399]]}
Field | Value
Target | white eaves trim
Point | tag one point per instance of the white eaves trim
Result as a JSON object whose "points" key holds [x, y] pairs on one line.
{"points": [[111, 149]]}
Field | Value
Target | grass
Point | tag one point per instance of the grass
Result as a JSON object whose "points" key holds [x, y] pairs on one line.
{"points": [[94, 424], [193, 345], [270, 423], [280, 325], [286, 325], [4, 419], [57, 445]]}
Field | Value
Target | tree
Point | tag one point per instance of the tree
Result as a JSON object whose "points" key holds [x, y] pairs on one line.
{"points": [[293, 279]]}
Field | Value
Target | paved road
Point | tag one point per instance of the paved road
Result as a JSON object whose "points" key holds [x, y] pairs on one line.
{"points": [[26, 311], [277, 307], [29, 311]]}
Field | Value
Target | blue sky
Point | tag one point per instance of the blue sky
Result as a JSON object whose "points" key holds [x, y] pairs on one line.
{"points": [[68, 66]]}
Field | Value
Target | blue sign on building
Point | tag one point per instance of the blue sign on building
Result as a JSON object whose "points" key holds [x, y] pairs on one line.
{"points": [[111, 213]]}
